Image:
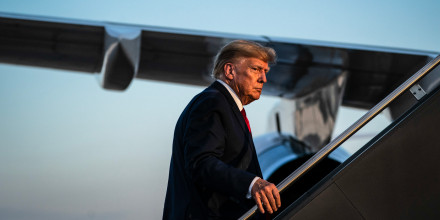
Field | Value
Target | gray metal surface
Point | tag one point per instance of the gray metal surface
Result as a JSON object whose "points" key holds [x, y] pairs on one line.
{"points": [[276, 150], [121, 57], [311, 118], [417, 91], [395, 176]]}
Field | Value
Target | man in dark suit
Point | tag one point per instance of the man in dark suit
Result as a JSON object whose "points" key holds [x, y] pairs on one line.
{"points": [[214, 170]]}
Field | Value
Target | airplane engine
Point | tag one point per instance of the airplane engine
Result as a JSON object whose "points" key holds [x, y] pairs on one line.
{"points": [[311, 116]]}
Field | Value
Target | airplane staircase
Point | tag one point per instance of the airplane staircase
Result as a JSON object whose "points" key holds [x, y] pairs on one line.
{"points": [[396, 175]]}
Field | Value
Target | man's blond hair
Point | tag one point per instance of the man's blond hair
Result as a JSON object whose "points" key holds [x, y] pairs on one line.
{"points": [[241, 48]]}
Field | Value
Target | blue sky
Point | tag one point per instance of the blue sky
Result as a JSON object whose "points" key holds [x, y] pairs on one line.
{"points": [[71, 150]]}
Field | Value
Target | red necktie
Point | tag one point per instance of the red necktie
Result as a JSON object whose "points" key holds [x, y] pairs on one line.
{"points": [[243, 112]]}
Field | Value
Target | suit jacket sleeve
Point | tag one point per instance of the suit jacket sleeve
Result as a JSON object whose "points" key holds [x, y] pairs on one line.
{"points": [[205, 144]]}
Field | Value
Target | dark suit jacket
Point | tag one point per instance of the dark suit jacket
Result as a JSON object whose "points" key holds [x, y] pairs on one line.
{"points": [[213, 161]]}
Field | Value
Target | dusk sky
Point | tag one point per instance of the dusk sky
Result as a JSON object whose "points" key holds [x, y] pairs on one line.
{"points": [[71, 150]]}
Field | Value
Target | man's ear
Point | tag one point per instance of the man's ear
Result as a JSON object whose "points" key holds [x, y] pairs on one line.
{"points": [[229, 71]]}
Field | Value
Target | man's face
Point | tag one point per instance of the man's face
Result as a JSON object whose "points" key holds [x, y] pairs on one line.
{"points": [[248, 77]]}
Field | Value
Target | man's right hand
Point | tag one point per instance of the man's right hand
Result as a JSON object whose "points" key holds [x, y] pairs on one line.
{"points": [[266, 196]]}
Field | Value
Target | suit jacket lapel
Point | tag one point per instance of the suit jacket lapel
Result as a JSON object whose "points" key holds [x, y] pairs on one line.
{"points": [[239, 117], [233, 105]]}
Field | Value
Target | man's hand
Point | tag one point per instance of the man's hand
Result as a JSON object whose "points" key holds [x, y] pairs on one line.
{"points": [[266, 196]]}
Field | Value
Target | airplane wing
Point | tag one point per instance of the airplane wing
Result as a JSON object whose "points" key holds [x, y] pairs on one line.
{"points": [[122, 52]]}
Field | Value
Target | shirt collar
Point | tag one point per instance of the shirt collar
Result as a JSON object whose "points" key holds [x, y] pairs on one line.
{"points": [[233, 94]]}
